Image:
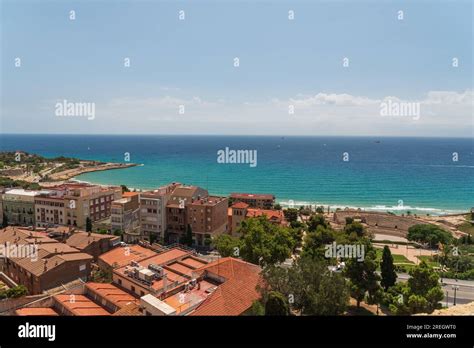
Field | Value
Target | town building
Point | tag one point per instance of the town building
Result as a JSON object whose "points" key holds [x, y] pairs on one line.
{"points": [[207, 218], [153, 212], [122, 256], [240, 211], [94, 244], [125, 216], [84, 201], [50, 208], [158, 274], [176, 219], [262, 201], [19, 207], [47, 264]]}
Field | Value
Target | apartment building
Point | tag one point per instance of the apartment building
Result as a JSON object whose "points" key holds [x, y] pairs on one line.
{"points": [[176, 217], [125, 216], [48, 263], [50, 208], [19, 207], [207, 217], [84, 200], [262, 201], [153, 212]]}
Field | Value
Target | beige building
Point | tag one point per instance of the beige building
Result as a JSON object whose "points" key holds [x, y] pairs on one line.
{"points": [[262, 201], [176, 220], [125, 216], [153, 212], [50, 208], [19, 207], [93, 201]]}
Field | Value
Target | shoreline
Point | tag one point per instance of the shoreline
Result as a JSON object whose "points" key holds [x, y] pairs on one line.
{"points": [[396, 210]]}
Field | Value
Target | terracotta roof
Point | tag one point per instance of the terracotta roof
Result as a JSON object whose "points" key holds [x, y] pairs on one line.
{"points": [[192, 262], [240, 205], [124, 255], [129, 194], [236, 295], [272, 215], [81, 240], [130, 309], [43, 311], [111, 293], [80, 305]]}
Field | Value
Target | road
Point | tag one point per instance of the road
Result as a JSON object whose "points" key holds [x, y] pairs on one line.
{"points": [[464, 294]]}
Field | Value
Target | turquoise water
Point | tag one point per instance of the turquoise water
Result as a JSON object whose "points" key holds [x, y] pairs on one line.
{"points": [[379, 174]]}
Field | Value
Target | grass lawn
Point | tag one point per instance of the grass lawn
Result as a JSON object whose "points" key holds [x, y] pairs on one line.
{"points": [[429, 261], [397, 259]]}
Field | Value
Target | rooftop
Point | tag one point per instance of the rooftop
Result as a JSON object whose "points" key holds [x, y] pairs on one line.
{"points": [[80, 305], [236, 295], [252, 195], [81, 239], [122, 256], [111, 293], [43, 311]]}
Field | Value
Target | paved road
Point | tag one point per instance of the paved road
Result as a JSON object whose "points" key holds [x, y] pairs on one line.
{"points": [[464, 294]]}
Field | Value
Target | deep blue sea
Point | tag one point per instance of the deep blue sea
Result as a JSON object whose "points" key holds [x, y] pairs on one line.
{"points": [[379, 174]]}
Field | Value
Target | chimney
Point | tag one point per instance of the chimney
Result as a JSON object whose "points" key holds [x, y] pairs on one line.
{"points": [[44, 263]]}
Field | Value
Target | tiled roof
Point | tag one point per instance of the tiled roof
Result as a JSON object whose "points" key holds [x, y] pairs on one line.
{"points": [[240, 205], [81, 240], [111, 293], [272, 215], [80, 305], [124, 255], [43, 311], [236, 295]]}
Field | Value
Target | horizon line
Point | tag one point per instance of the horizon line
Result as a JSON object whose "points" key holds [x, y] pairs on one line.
{"points": [[248, 135]]}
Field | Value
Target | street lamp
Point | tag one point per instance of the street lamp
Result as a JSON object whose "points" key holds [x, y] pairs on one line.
{"points": [[455, 288], [447, 298]]}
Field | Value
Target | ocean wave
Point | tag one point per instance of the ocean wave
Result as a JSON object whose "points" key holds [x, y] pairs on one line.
{"points": [[382, 208]]}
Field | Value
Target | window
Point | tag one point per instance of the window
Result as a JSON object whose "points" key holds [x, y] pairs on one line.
{"points": [[132, 288], [120, 281]]}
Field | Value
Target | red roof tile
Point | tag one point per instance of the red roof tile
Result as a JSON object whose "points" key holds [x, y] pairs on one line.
{"points": [[236, 295]]}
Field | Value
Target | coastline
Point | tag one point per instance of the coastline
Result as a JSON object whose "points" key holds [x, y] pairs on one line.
{"points": [[285, 203]]}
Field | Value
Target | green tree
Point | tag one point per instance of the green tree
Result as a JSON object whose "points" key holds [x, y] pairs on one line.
{"points": [[363, 277], [277, 206], [124, 188], [431, 234], [265, 243], [291, 214], [277, 304], [354, 228], [389, 276], [257, 308], [309, 287], [88, 224], [17, 291], [226, 245], [315, 221]]}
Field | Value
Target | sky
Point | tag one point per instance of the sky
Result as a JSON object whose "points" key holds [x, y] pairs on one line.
{"points": [[292, 78]]}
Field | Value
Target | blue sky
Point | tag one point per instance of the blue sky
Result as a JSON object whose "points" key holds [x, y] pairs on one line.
{"points": [[282, 63]]}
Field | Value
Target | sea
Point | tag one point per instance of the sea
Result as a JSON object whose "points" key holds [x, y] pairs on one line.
{"points": [[398, 174]]}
